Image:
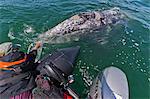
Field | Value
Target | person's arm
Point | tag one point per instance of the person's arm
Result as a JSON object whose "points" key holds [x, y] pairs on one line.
{"points": [[32, 54], [30, 63]]}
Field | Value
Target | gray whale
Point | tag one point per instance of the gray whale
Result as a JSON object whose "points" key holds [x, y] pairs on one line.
{"points": [[84, 21]]}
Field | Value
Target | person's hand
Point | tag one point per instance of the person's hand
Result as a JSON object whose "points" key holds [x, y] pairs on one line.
{"points": [[37, 45]]}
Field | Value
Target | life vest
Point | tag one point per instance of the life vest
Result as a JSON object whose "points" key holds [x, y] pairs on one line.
{"points": [[13, 83], [7, 65]]}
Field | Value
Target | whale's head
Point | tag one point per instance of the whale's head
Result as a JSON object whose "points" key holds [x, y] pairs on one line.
{"points": [[113, 15], [81, 23]]}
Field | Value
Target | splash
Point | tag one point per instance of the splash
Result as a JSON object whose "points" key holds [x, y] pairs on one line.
{"points": [[11, 35], [28, 29], [84, 71], [27, 33]]}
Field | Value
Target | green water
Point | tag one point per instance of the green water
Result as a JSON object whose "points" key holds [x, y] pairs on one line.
{"points": [[125, 46]]}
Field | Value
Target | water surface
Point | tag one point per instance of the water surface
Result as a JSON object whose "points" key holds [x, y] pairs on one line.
{"points": [[125, 46]]}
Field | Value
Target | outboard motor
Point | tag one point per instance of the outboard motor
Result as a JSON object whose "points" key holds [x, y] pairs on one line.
{"points": [[58, 66], [110, 84]]}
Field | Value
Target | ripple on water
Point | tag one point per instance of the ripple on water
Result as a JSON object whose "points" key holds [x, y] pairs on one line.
{"points": [[149, 79], [137, 61], [122, 63], [123, 42], [117, 56], [136, 44]]}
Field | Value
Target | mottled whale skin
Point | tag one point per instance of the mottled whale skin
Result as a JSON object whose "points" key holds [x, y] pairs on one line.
{"points": [[84, 21]]}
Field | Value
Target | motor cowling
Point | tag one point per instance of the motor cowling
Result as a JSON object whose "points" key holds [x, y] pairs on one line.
{"points": [[59, 65]]}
